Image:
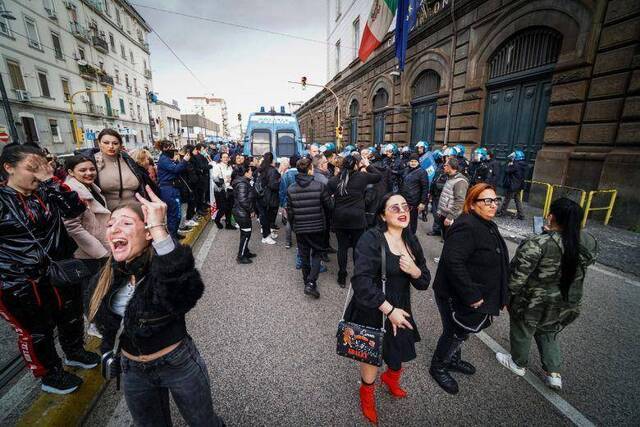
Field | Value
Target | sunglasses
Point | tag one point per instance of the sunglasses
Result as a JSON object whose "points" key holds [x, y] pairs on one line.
{"points": [[489, 201], [396, 209]]}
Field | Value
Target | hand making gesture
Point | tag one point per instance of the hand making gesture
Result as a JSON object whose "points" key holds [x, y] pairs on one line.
{"points": [[155, 215]]}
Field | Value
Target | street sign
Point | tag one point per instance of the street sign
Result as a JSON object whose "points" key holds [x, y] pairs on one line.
{"points": [[4, 137]]}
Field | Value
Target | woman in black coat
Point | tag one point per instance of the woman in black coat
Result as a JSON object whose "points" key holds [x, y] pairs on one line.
{"points": [[349, 218], [244, 206], [405, 267], [269, 199], [471, 282]]}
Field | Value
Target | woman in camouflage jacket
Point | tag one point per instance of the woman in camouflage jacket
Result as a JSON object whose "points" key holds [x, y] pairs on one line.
{"points": [[545, 287]]}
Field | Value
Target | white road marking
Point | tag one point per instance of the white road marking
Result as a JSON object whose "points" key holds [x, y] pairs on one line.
{"points": [[121, 415], [616, 275], [554, 398]]}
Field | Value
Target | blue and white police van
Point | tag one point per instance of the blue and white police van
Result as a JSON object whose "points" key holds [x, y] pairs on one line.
{"points": [[275, 132]]}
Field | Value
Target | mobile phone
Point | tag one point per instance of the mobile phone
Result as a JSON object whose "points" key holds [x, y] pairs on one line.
{"points": [[538, 224]]}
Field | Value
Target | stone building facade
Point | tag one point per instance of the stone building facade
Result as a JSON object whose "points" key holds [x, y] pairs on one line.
{"points": [[558, 79]]}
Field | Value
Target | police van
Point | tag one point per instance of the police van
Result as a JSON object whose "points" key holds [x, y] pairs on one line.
{"points": [[273, 132]]}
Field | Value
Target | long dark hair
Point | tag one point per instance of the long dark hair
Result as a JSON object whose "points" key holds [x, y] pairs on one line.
{"points": [[408, 238], [267, 159], [348, 167], [567, 215], [15, 152]]}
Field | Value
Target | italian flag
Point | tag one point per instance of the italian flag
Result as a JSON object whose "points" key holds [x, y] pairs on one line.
{"points": [[380, 19]]}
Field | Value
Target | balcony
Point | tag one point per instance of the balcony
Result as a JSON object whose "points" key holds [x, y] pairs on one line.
{"points": [[79, 32], [137, 91], [114, 113], [105, 79], [95, 109], [88, 72], [100, 44], [147, 74], [129, 89]]}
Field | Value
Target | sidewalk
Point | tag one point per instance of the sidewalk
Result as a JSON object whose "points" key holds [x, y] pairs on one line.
{"points": [[619, 249]]}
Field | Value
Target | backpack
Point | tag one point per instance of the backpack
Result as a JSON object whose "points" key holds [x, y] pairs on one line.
{"points": [[258, 185]]}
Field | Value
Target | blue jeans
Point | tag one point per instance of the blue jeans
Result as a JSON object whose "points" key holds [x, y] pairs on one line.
{"points": [[181, 372], [171, 196]]}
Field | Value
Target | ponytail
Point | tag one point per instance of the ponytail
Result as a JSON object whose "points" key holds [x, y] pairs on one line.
{"points": [[567, 215]]}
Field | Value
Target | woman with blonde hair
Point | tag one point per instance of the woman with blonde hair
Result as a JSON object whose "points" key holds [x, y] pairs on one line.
{"points": [[143, 158], [139, 304]]}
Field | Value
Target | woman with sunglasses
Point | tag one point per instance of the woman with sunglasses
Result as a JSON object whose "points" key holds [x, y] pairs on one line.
{"points": [[471, 282], [405, 266]]}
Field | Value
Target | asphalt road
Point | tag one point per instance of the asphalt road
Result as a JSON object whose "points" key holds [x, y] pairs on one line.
{"points": [[270, 351]]}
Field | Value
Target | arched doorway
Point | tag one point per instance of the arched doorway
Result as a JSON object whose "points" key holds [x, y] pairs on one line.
{"points": [[380, 101], [354, 108], [424, 91], [518, 92]]}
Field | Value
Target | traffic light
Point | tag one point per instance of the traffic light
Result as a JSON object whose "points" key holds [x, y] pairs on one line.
{"points": [[339, 131], [109, 90], [304, 82]]}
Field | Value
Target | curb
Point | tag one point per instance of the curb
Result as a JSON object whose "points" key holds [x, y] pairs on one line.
{"points": [[71, 409]]}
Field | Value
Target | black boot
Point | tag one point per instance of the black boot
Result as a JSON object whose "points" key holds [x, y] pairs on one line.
{"points": [[244, 260], [439, 372], [459, 365], [249, 254], [219, 224], [311, 289], [342, 279]]}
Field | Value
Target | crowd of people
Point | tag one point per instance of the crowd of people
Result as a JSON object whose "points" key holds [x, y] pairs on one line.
{"points": [[121, 215]]}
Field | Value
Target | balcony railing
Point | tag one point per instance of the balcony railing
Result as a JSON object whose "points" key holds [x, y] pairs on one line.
{"points": [[88, 72], [129, 89], [79, 32], [147, 73], [95, 109], [114, 113], [106, 79], [100, 44]]}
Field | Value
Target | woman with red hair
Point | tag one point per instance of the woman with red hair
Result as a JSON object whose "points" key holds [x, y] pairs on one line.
{"points": [[471, 282]]}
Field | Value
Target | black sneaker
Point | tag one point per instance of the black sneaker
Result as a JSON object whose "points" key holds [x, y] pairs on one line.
{"points": [[59, 381], [250, 255], [244, 260], [82, 359], [312, 290]]}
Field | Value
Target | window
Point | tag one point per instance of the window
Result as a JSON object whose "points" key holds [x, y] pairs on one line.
{"points": [[123, 54], [356, 36], [44, 84], [117, 75], [338, 56], [112, 43], [32, 32], [107, 10], [49, 7], [122, 110], [139, 112], [135, 83], [286, 143], [131, 56], [131, 110], [81, 53], [5, 28], [55, 132], [126, 80], [118, 20], [17, 81], [66, 90], [57, 47], [260, 142], [338, 9]]}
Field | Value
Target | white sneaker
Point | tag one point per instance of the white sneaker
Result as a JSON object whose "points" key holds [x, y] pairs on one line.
{"points": [[93, 331], [506, 361], [183, 232], [268, 240], [273, 235], [191, 223], [553, 380]]}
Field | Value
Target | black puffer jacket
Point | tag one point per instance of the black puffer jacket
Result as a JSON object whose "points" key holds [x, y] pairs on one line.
{"points": [[154, 317], [244, 199], [415, 186], [309, 204], [271, 182], [474, 265], [20, 257], [349, 211], [514, 175]]}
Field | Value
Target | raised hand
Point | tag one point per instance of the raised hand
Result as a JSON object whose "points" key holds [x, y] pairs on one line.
{"points": [[155, 214]]}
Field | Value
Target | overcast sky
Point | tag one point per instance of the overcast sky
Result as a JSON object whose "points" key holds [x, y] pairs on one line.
{"points": [[247, 68]]}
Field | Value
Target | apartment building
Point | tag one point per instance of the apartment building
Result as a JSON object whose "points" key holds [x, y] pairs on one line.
{"points": [[214, 109], [197, 128], [56, 53], [166, 121]]}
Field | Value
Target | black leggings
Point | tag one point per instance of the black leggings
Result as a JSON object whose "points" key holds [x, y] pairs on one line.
{"points": [[224, 203], [267, 219], [347, 238], [450, 342]]}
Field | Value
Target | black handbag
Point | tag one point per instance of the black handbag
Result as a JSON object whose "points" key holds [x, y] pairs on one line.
{"points": [[468, 318], [61, 273], [358, 342]]}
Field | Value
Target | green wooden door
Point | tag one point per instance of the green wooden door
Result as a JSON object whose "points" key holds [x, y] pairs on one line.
{"points": [[423, 122]]}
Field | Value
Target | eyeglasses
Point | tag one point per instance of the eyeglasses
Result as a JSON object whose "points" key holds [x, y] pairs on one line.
{"points": [[396, 209], [489, 201]]}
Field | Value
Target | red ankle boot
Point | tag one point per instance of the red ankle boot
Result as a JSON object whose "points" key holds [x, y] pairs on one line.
{"points": [[368, 402], [392, 379]]}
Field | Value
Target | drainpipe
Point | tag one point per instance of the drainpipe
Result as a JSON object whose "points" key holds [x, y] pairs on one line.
{"points": [[454, 40]]}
